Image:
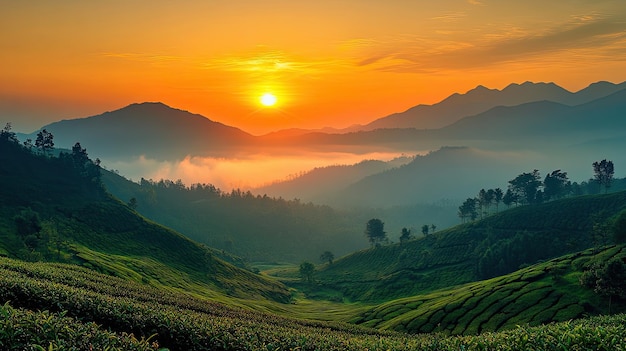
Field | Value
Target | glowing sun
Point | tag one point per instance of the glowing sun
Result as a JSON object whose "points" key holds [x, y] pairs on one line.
{"points": [[268, 99]]}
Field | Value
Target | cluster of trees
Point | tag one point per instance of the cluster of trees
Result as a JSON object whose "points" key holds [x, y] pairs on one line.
{"points": [[528, 188], [375, 232]]}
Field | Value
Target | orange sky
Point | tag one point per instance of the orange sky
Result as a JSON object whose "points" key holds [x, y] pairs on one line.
{"points": [[329, 63]]}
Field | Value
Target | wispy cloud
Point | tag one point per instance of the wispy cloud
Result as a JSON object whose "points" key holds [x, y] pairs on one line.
{"points": [[582, 35], [450, 17]]}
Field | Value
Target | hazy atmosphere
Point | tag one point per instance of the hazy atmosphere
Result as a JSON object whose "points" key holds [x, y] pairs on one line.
{"points": [[328, 63], [313, 175]]}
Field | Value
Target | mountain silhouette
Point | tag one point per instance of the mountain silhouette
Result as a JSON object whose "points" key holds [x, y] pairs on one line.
{"points": [[151, 129], [481, 99], [603, 117]]}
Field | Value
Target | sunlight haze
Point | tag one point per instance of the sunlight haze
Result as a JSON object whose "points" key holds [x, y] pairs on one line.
{"points": [[329, 63]]}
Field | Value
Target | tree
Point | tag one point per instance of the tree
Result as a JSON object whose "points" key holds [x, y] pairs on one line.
{"points": [[555, 185], [425, 228], [608, 279], [44, 141], [132, 203], [375, 231], [7, 134], [306, 271], [27, 223], [468, 210], [79, 155], [603, 173], [405, 235], [525, 187], [327, 256], [433, 228], [498, 195]]}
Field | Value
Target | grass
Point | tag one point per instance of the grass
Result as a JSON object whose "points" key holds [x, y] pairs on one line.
{"points": [[58, 306], [538, 294]]}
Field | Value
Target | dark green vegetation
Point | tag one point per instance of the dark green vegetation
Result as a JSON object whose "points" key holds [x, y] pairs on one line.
{"points": [[77, 297], [499, 244], [51, 209], [258, 228], [539, 294], [55, 209]]}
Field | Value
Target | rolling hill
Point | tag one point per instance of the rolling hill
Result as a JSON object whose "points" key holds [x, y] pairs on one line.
{"points": [[547, 292], [494, 246], [153, 130], [52, 208]]}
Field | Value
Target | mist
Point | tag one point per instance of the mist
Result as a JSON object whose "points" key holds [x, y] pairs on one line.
{"points": [[245, 173]]}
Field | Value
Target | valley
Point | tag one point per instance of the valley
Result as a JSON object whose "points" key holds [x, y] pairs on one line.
{"points": [[164, 264]]}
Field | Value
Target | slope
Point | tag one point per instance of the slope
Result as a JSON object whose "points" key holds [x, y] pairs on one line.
{"points": [[153, 130], [481, 99], [543, 293], [50, 209], [494, 246], [54, 306], [259, 228]]}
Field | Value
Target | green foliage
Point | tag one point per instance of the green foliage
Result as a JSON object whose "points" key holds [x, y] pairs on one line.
{"points": [[542, 293], [375, 231], [603, 173], [131, 316], [619, 228], [237, 221], [498, 244], [63, 213], [22, 329], [306, 271]]}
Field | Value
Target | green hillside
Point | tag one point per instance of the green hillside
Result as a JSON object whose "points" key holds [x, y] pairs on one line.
{"points": [[259, 228], [497, 245], [54, 208], [543, 293], [65, 307]]}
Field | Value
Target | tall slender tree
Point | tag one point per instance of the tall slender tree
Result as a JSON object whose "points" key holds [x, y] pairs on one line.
{"points": [[603, 173]]}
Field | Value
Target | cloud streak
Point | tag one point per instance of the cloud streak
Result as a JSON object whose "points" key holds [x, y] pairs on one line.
{"points": [[584, 36]]}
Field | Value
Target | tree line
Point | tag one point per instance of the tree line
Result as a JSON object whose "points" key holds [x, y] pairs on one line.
{"points": [[528, 188]]}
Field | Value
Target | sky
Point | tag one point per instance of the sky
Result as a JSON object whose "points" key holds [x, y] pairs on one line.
{"points": [[327, 63]]}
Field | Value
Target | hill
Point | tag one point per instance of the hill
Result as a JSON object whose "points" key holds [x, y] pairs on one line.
{"points": [[475, 101], [494, 246], [56, 209], [547, 292], [317, 184], [55, 306], [153, 130]]}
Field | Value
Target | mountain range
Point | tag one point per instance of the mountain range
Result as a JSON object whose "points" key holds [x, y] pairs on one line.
{"points": [[503, 133]]}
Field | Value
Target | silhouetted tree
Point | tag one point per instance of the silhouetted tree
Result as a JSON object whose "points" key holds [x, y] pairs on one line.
{"points": [[425, 228], [306, 271], [405, 235], [497, 197], [433, 228], [603, 173], [375, 231], [509, 198], [7, 134], [468, 210], [526, 187], [44, 141], [79, 155], [327, 256], [555, 185]]}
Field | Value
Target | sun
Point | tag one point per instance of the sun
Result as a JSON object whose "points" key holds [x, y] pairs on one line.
{"points": [[268, 99]]}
